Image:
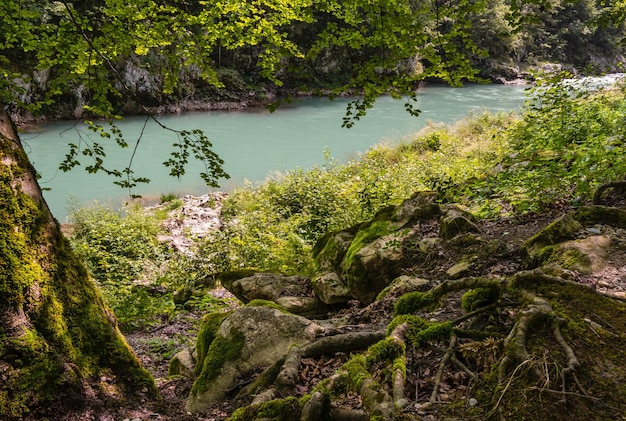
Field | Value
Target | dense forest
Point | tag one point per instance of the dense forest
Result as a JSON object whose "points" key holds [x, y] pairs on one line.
{"points": [[472, 271]]}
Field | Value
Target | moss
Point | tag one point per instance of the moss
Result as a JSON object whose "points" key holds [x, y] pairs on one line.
{"points": [[413, 301], [385, 350], [222, 350], [357, 371], [327, 246], [480, 297], [266, 303], [536, 248], [286, 409], [66, 323], [434, 332], [208, 331], [367, 233], [415, 323], [601, 215]]}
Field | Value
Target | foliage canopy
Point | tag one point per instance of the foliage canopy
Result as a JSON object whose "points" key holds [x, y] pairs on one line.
{"points": [[104, 48]]}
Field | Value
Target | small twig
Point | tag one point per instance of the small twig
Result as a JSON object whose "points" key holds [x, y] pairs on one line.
{"points": [[463, 367], [473, 313], [508, 384], [444, 362], [560, 392]]}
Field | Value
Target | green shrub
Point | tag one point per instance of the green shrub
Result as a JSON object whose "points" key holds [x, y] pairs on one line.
{"points": [[570, 140], [135, 271]]}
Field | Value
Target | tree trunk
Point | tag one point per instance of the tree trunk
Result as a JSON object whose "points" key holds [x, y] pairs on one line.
{"points": [[60, 347]]}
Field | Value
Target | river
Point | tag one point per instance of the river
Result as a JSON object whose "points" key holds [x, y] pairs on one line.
{"points": [[253, 143]]}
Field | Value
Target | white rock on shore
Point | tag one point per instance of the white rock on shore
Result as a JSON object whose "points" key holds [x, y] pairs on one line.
{"points": [[197, 216]]}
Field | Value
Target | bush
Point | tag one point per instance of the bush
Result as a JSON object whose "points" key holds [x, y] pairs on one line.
{"points": [[135, 271], [570, 140], [274, 226]]}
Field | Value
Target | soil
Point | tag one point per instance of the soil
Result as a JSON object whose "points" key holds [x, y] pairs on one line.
{"points": [[156, 346]]}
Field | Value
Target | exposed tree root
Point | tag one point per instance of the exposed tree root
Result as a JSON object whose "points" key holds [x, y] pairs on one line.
{"points": [[379, 374], [597, 197], [399, 367], [346, 342], [284, 373], [434, 397], [288, 376]]}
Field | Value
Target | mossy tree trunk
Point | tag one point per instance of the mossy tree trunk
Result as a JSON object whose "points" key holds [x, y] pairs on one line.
{"points": [[60, 347]]}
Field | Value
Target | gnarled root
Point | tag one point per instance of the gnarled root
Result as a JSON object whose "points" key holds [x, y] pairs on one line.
{"points": [[538, 310]]}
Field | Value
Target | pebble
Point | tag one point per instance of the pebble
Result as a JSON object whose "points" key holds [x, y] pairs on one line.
{"points": [[472, 402]]}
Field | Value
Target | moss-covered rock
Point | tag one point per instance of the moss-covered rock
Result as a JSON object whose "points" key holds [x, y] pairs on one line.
{"points": [[454, 221], [248, 339], [330, 288], [377, 253], [575, 242], [539, 248], [182, 364]]}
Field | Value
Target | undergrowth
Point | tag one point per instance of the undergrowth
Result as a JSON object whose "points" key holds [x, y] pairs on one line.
{"points": [[567, 141], [136, 272]]}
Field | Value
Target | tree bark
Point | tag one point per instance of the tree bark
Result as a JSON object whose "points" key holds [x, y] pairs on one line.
{"points": [[60, 346]]}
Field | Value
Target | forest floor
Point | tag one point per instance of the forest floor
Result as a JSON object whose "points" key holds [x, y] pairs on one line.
{"points": [[157, 345]]}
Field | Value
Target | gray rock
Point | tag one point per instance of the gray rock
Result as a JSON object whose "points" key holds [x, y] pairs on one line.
{"points": [[182, 364], [295, 293], [367, 257], [454, 221], [459, 270], [251, 338], [403, 284], [331, 289]]}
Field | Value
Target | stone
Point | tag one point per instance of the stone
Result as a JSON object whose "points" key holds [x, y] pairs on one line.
{"points": [[454, 221], [536, 250], [249, 339], [459, 270], [588, 255], [361, 261], [295, 293], [182, 364], [330, 250], [371, 268], [402, 285], [331, 289]]}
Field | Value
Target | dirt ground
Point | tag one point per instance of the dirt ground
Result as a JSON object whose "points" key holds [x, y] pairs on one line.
{"points": [[156, 346]]}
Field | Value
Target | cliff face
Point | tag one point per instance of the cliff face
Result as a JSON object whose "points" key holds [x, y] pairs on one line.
{"points": [[142, 89]]}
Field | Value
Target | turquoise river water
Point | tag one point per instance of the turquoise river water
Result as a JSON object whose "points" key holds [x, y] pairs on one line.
{"points": [[253, 143]]}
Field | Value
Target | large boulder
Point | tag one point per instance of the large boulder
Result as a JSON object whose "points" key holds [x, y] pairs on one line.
{"points": [[249, 339], [362, 260]]}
